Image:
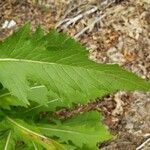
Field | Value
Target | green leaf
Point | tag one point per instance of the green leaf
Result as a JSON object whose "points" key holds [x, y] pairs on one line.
{"points": [[7, 99], [61, 65], [6, 143], [12, 131], [83, 129], [35, 109]]}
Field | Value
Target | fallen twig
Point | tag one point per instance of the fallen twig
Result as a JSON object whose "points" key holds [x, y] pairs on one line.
{"points": [[63, 19], [91, 26], [65, 22], [78, 17], [143, 144]]}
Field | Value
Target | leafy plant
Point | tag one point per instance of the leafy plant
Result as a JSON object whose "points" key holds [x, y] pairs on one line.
{"points": [[42, 73]]}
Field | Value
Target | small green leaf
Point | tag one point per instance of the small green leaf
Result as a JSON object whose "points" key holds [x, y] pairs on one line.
{"points": [[83, 129], [14, 130], [34, 93]]}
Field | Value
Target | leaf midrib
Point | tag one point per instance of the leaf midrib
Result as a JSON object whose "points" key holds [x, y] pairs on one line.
{"points": [[51, 143], [54, 63], [7, 141], [67, 131], [24, 60]]}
